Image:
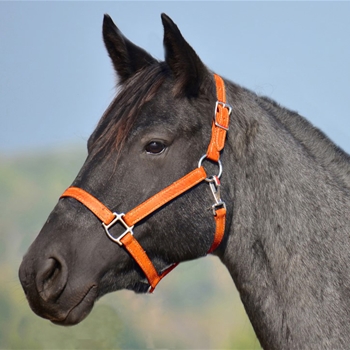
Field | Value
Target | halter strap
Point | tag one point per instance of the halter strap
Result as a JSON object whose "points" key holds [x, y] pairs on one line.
{"points": [[220, 123], [128, 220], [144, 209], [135, 215]]}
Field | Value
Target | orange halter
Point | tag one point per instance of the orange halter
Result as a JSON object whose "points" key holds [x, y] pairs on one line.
{"points": [[128, 220]]}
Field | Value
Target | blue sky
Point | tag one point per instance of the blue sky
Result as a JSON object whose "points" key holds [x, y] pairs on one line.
{"points": [[56, 78]]}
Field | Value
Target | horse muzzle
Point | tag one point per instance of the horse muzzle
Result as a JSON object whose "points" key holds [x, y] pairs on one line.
{"points": [[50, 295]]}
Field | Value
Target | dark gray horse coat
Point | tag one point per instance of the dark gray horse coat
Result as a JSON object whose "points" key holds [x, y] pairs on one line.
{"points": [[286, 187]]}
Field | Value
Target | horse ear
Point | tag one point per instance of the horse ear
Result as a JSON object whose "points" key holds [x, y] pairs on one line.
{"points": [[127, 58], [188, 69]]}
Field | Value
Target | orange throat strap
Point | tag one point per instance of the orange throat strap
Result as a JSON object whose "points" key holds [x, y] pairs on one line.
{"points": [[219, 128]]}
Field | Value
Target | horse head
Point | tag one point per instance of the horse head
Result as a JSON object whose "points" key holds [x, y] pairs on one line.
{"points": [[152, 134]]}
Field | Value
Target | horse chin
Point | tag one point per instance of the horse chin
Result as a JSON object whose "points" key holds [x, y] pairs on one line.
{"points": [[140, 287], [79, 311]]}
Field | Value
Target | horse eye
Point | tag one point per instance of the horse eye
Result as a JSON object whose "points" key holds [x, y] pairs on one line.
{"points": [[155, 147]]}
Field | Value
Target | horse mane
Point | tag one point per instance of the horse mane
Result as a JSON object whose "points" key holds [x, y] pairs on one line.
{"points": [[116, 122], [317, 144]]}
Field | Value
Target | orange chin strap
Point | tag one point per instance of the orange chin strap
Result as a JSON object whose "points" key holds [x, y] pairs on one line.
{"points": [[128, 220]]}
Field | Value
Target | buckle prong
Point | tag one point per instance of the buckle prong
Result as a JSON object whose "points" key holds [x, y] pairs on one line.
{"points": [[224, 105], [118, 217]]}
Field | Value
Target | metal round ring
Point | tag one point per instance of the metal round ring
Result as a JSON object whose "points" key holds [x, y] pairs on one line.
{"points": [[209, 179]]}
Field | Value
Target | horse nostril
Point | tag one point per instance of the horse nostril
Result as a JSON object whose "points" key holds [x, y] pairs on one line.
{"points": [[51, 279]]}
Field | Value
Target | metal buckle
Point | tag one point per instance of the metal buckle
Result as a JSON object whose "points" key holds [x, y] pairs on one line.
{"points": [[215, 189], [224, 105], [118, 217]]}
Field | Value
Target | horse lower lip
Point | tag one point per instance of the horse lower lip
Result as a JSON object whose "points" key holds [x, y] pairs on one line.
{"points": [[80, 311]]}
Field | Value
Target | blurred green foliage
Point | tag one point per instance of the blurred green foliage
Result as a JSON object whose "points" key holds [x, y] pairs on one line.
{"points": [[195, 307]]}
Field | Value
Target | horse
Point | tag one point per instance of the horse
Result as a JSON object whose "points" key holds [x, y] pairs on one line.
{"points": [[201, 165]]}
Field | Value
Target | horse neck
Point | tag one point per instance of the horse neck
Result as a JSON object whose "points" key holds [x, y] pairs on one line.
{"points": [[288, 245], [312, 139]]}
